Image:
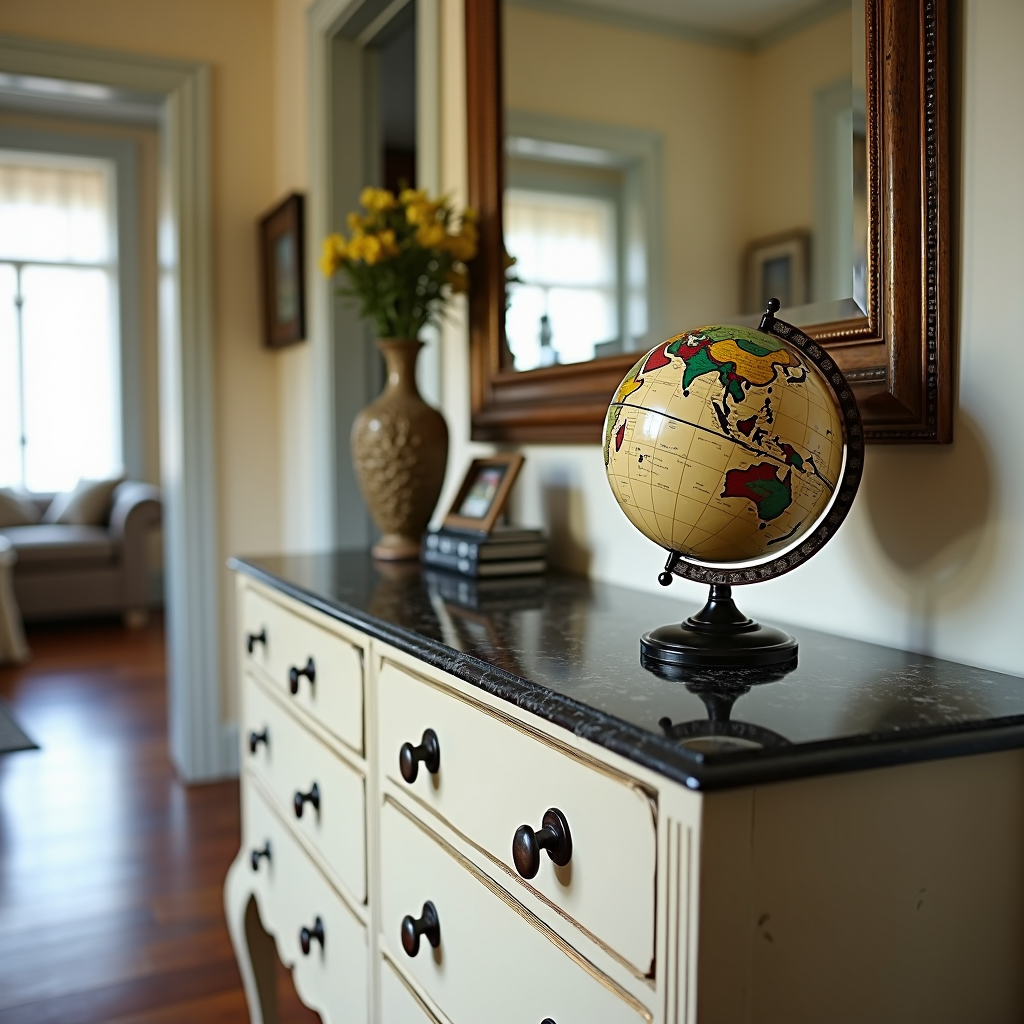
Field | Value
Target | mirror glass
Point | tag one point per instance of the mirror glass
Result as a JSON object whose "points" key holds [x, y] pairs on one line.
{"points": [[672, 163]]}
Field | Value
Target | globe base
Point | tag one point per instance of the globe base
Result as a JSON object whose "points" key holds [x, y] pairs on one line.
{"points": [[719, 635]]}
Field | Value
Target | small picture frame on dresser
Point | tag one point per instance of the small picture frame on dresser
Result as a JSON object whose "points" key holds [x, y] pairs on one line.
{"points": [[484, 492], [283, 273]]}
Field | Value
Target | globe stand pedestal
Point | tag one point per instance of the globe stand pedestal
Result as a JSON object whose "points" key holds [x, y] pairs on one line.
{"points": [[719, 635]]}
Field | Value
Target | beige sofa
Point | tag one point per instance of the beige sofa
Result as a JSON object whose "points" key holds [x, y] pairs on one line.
{"points": [[67, 571]]}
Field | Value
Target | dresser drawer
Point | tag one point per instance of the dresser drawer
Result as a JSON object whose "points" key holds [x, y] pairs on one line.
{"points": [[291, 761], [398, 1005], [493, 777], [332, 977], [495, 963], [287, 644]]}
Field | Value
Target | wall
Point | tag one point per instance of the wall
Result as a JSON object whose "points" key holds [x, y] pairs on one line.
{"points": [[931, 557], [291, 173], [783, 80], [236, 38]]}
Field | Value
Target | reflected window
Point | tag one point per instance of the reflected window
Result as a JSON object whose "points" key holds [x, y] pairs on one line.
{"points": [[581, 219], [565, 300]]}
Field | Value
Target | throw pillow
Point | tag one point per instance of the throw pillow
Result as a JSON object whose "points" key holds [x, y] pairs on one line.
{"points": [[16, 510], [87, 505]]}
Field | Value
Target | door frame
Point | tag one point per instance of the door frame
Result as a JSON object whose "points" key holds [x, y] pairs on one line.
{"points": [[337, 31], [200, 746]]}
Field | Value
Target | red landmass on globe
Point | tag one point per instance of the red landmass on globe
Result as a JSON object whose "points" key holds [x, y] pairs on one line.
{"points": [[761, 485], [791, 455], [656, 360]]}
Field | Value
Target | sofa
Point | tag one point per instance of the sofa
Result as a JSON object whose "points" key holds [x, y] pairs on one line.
{"points": [[68, 571]]}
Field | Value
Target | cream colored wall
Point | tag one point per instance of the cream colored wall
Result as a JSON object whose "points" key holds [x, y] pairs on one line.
{"points": [[291, 173], [931, 557], [236, 38], [783, 81]]}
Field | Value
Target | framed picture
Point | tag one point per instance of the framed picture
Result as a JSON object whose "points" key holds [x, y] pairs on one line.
{"points": [[777, 266], [484, 492], [282, 273]]}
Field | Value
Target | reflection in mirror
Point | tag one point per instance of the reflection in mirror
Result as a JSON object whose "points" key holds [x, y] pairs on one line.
{"points": [[676, 162]]}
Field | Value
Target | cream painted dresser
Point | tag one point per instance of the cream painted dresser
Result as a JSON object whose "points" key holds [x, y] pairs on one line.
{"points": [[475, 806]]}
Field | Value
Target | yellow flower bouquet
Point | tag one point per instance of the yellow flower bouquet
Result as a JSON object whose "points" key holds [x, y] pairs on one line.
{"points": [[404, 257]]}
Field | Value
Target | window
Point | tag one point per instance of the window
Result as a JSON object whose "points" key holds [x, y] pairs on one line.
{"points": [[580, 218], [59, 340], [566, 298]]}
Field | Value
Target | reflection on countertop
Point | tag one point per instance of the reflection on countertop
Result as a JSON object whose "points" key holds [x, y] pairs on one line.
{"points": [[567, 649]]}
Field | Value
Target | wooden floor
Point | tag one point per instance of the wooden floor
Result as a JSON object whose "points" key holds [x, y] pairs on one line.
{"points": [[110, 868]]}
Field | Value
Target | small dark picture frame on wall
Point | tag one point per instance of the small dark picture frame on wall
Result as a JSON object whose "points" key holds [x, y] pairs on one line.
{"points": [[484, 492], [283, 273]]}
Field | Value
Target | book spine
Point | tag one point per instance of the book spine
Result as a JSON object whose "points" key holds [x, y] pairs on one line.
{"points": [[474, 567]]}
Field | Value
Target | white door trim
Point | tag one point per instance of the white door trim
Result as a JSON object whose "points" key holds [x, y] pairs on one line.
{"points": [[181, 90], [325, 21]]}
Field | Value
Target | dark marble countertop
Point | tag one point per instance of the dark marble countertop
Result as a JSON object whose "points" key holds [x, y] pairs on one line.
{"points": [[567, 649]]}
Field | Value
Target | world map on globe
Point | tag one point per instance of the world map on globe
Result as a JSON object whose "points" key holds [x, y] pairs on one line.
{"points": [[724, 445]]}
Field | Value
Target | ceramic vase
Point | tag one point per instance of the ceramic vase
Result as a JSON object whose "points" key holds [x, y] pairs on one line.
{"points": [[400, 449]]}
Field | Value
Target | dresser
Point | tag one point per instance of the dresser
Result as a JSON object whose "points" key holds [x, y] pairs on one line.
{"points": [[470, 804]]}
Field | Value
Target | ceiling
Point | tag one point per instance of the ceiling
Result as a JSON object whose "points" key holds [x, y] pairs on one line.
{"points": [[740, 22]]}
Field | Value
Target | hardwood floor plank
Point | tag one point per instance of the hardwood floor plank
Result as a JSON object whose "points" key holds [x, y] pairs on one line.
{"points": [[110, 868], [222, 1008], [104, 1003]]}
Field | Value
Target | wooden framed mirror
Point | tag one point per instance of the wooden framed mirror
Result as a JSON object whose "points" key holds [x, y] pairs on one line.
{"points": [[879, 207]]}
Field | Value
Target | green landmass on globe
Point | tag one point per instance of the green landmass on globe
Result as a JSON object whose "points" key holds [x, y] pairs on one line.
{"points": [[723, 444]]}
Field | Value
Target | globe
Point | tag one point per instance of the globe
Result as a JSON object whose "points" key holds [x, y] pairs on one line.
{"points": [[723, 444], [739, 451]]}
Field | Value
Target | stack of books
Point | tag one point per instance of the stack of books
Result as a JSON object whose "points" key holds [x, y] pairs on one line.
{"points": [[505, 551]]}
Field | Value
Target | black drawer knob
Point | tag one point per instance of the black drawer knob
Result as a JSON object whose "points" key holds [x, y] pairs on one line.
{"points": [[553, 836], [252, 639], [429, 752], [547, 1020], [307, 935], [301, 799], [257, 855], [256, 738], [426, 924], [295, 674]]}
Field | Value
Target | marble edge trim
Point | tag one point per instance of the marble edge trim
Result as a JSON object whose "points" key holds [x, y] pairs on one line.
{"points": [[649, 750]]}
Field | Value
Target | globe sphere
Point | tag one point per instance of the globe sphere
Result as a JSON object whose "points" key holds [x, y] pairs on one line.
{"points": [[724, 444]]}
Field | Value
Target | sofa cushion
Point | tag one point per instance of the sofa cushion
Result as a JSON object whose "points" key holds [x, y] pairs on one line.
{"points": [[54, 545], [17, 509], [87, 505]]}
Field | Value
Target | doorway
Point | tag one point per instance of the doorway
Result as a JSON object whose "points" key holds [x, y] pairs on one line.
{"points": [[374, 121], [172, 97]]}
